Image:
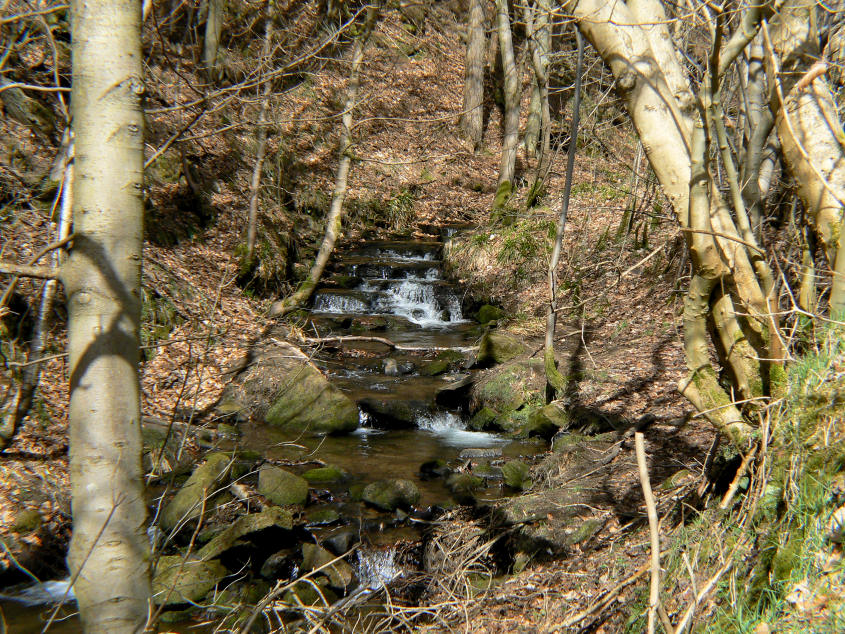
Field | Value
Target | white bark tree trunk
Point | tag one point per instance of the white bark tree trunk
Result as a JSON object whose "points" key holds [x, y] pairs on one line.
{"points": [[109, 550]]}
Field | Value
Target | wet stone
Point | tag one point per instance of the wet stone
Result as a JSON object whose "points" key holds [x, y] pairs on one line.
{"points": [[482, 452]]}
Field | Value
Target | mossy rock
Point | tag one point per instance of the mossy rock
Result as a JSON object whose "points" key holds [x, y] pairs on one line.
{"points": [[339, 573], [506, 389], [322, 475], [310, 403], [434, 469], [252, 523], [463, 487], [390, 495], [26, 521], [584, 532], [567, 442], [515, 474], [281, 487], [321, 516], [178, 579], [547, 421], [393, 412], [438, 366], [488, 313], [483, 419], [204, 481], [497, 347]]}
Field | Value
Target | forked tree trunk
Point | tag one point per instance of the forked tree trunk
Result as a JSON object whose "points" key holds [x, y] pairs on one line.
{"points": [[472, 118], [14, 414], [109, 551], [510, 129], [335, 215], [730, 292]]}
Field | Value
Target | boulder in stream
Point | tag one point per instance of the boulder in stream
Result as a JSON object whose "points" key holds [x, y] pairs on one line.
{"points": [[515, 474], [252, 523], [281, 487], [323, 475], [497, 347], [283, 387], [390, 495], [202, 484], [340, 574], [179, 579]]}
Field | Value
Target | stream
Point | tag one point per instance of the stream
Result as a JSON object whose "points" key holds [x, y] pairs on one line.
{"points": [[378, 290]]}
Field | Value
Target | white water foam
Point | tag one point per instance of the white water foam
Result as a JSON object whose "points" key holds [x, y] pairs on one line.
{"points": [[417, 302], [376, 568], [43, 593], [452, 430], [339, 304]]}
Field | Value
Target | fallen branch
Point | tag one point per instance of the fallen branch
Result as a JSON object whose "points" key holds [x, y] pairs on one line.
{"points": [[329, 341], [23, 270]]}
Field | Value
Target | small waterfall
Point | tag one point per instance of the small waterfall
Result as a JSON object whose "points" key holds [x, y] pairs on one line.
{"points": [[451, 429], [377, 568], [416, 301], [340, 304]]}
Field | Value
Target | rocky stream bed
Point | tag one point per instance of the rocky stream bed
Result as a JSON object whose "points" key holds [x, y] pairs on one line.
{"points": [[337, 456]]}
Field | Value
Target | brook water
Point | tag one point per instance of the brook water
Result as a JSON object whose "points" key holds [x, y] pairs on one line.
{"points": [[393, 291]]}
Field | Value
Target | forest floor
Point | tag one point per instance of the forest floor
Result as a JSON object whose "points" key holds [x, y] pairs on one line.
{"points": [[620, 276]]}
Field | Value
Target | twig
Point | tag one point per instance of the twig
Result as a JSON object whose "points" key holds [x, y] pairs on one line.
{"points": [[654, 594], [737, 478], [711, 583]]}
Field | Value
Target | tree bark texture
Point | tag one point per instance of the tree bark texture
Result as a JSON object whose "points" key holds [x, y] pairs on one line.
{"points": [[510, 132], [537, 25], [335, 215], [473, 112], [109, 551]]}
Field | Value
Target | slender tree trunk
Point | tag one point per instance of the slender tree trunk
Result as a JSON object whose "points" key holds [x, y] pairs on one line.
{"points": [[510, 133], [211, 41], [539, 44], [335, 215], [22, 403], [555, 381], [255, 184], [109, 551], [473, 114]]}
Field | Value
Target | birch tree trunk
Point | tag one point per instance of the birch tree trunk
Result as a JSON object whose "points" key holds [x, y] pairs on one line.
{"points": [[811, 133], [211, 41], [730, 292], [510, 128], [109, 550], [472, 119], [335, 216]]}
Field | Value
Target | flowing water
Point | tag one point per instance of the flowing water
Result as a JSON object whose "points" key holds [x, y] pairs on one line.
{"points": [[395, 291]]}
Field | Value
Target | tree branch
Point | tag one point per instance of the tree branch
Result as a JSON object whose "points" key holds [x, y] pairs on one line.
{"points": [[24, 270]]}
